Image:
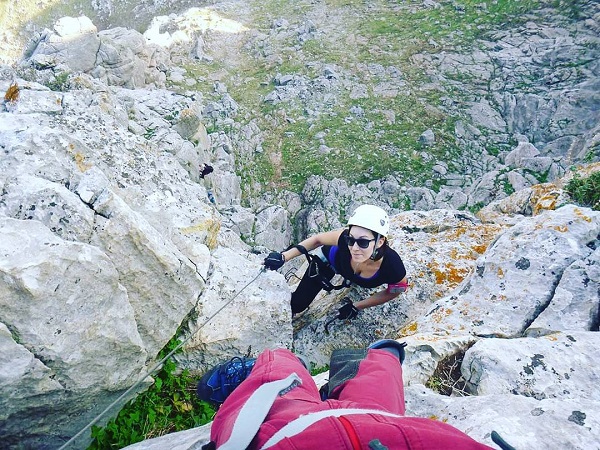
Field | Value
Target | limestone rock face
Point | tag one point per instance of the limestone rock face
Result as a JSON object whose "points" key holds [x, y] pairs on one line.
{"points": [[110, 241], [118, 56], [535, 367], [516, 279], [521, 421], [74, 42], [106, 241], [237, 297], [68, 332]]}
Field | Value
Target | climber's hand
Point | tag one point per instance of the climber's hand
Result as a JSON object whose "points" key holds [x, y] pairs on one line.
{"points": [[274, 261], [348, 310]]}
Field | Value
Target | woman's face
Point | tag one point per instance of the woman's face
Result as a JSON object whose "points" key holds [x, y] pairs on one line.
{"points": [[359, 235]]}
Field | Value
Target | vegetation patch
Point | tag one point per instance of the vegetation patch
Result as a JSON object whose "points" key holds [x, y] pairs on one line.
{"points": [[358, 149], [585, 191], [357, 36], [447, 378], [169, 405]]}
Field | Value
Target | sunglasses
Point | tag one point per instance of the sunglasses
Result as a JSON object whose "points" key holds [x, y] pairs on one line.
{"points": [[362, 242]]}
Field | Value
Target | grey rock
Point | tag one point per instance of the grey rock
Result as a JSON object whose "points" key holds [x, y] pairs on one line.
{"points": [[517, 180], [273, 228], [234, 332], [575, 305], [524, 150], [523, 284], [75, 43], [534, 367], [565, 422], [484, 115], [427, 138]]}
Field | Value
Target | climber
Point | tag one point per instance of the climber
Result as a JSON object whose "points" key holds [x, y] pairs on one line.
{"points": [[273, 402], [205, 169], [359, 253]]}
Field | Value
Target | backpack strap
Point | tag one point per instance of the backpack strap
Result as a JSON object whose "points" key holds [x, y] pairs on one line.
{"points": [[255, 409]]}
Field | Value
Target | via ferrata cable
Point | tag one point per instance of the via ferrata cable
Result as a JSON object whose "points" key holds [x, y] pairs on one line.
{"points": [[158, 364]]}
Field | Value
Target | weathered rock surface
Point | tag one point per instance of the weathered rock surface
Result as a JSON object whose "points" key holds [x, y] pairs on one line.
{"points": [[69, 333], [110, 241], [104, 222], [517, 277], [529, 385], [237, 297]]}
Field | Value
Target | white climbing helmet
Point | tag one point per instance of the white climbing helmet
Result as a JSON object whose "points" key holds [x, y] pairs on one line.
{"points": [[372, 218]]}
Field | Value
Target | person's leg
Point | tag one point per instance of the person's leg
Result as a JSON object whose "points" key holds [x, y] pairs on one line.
{"points": [[369, 377], [271, 365], [309, 286]]}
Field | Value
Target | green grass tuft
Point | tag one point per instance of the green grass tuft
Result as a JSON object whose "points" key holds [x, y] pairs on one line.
{"points": [[586, 191], [168, 406]]}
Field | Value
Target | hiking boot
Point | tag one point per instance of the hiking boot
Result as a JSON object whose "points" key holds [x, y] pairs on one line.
{"points": [[392, 346], [216, 384]]}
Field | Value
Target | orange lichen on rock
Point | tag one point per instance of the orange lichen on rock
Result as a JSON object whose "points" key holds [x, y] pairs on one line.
{"points": [[80, 161], [579, 213], [480, 248], [455, 233], [448, 274], [12, 93], [409, 329], [441, 314], [544, 197], [210, 226]]}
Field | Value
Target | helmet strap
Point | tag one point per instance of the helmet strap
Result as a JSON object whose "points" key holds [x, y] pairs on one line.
{"points": [[375, 249]]}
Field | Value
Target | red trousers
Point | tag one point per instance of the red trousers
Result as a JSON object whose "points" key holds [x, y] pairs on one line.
{"points": [[373, 399]]}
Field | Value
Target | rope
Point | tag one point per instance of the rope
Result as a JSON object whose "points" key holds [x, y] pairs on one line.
{"points": [[159, 363]]}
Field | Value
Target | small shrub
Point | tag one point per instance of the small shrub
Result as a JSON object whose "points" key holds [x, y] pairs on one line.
{"points": [[317, 370], [474, 209], [508, 188], [169, 405], [585, 191], [447, 378], [60, 82], [150, 133]]}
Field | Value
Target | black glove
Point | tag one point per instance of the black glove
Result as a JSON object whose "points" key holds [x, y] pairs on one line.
{"points": [[348, 310], [274, 261]]}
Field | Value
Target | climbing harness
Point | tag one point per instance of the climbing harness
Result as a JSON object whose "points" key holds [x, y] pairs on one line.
{"points": [[159, 363], [316, 266]]}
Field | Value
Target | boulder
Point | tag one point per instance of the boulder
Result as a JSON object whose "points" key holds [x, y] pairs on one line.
{"points": [[58, 357], [73, 43], [517, 277], [558, 365]]}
